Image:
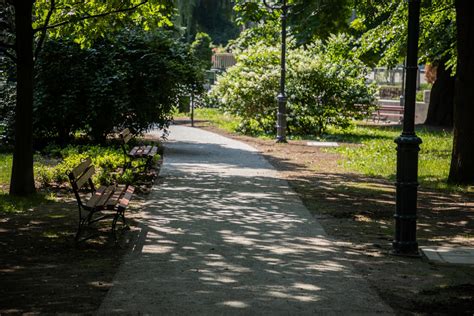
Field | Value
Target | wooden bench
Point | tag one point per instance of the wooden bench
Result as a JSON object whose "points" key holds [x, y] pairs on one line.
{"points": [[384, 112], [105, 202], [143, 152]]}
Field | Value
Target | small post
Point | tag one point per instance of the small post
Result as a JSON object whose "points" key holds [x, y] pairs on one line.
{"points": [[192, 108], [408, 147]]}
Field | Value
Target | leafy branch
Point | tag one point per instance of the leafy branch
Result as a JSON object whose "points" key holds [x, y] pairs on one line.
{"points": [[87, 17], [44, 29]]}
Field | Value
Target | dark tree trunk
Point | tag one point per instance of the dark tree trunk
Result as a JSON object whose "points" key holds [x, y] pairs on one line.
{"points": [[22, 180], [440, 110], [462, 161]]}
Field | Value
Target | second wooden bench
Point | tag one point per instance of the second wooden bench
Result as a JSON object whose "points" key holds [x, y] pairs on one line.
{"points": [[146, 153]]}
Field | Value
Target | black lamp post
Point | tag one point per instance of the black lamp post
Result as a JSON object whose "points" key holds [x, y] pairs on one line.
{"points": [[408, 147], [281, 115]]}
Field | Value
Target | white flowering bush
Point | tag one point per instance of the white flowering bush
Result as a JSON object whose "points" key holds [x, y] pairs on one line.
{"points": [[326, 86]]}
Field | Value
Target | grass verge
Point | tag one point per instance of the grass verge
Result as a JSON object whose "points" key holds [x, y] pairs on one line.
{"points": [[371, 150], [218, 119]]}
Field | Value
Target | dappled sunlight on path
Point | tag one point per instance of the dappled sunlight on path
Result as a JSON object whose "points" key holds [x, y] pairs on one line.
{"points": [[222, 234]]}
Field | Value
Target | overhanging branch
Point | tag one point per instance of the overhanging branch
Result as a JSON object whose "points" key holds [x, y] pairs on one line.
{"points": [[87, 17], [43, 30]]}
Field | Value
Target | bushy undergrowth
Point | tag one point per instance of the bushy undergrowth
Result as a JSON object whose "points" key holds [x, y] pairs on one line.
{"points": [[53, 166], [326, 86], [53, 163]]}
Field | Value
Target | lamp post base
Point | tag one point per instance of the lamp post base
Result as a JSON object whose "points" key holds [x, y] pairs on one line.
{"points": [[281, 119], [407, 186]]}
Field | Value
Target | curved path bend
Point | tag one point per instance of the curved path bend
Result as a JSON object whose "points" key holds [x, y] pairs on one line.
{"points": [[224, 235]]}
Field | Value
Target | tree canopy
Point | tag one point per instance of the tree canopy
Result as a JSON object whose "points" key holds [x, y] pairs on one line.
{"points": [[27, 25]]}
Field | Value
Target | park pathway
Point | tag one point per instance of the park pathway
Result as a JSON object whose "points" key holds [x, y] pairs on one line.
{"points": [[223, 235]]}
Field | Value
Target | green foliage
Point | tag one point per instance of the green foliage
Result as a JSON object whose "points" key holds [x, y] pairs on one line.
{"points": [[308, 20], [201, 50], [56, 162], [214, 17], [325, 86], [72, 19], [131, 80], [382, 26], [376, 154], [268, 33]]}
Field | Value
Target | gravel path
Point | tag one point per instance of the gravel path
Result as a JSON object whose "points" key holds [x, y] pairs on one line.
{"points": [[223, 234]]}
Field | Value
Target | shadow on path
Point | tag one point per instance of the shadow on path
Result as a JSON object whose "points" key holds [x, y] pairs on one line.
{"points": [[223, 234]]}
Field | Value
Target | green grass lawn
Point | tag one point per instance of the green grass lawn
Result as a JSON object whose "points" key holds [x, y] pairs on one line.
{"points": [[217, 118], [375, 153], [371, 150]]}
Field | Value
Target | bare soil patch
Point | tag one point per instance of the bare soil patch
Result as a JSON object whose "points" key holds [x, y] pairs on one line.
{"points": [[357, 211]]}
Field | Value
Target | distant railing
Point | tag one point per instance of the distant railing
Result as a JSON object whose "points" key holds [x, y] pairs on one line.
{"points": [[223, 60]]}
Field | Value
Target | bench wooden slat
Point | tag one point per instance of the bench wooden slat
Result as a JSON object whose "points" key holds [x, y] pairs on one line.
{"points": [[389, 111], [134, 150], [85, 177], [114, 199], [146, 150], [77, 171], [95, 197], [105, 196], [127, 138], [153, 151], [127, 196], [139, 151], [124, 133]]}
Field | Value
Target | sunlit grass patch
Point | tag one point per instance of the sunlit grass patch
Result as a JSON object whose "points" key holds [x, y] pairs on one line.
{"points": [[14, 204], [372, 151], [218, 119]]}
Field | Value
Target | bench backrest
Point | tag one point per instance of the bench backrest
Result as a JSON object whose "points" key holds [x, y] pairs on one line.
{"points": [[125, 135], [80, 176]]}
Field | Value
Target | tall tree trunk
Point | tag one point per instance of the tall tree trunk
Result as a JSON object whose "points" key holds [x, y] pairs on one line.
{"points": [[22, 180], [462, 161], [440, 110]]}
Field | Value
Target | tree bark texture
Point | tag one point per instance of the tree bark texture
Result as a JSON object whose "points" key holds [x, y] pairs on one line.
{"points": [[440, 110], [22, 179], [462, 161]]}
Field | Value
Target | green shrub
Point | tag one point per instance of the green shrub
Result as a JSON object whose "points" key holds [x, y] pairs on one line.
{"points": [[57, 162], [132, 79], [326, 86], [201, 50]]}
